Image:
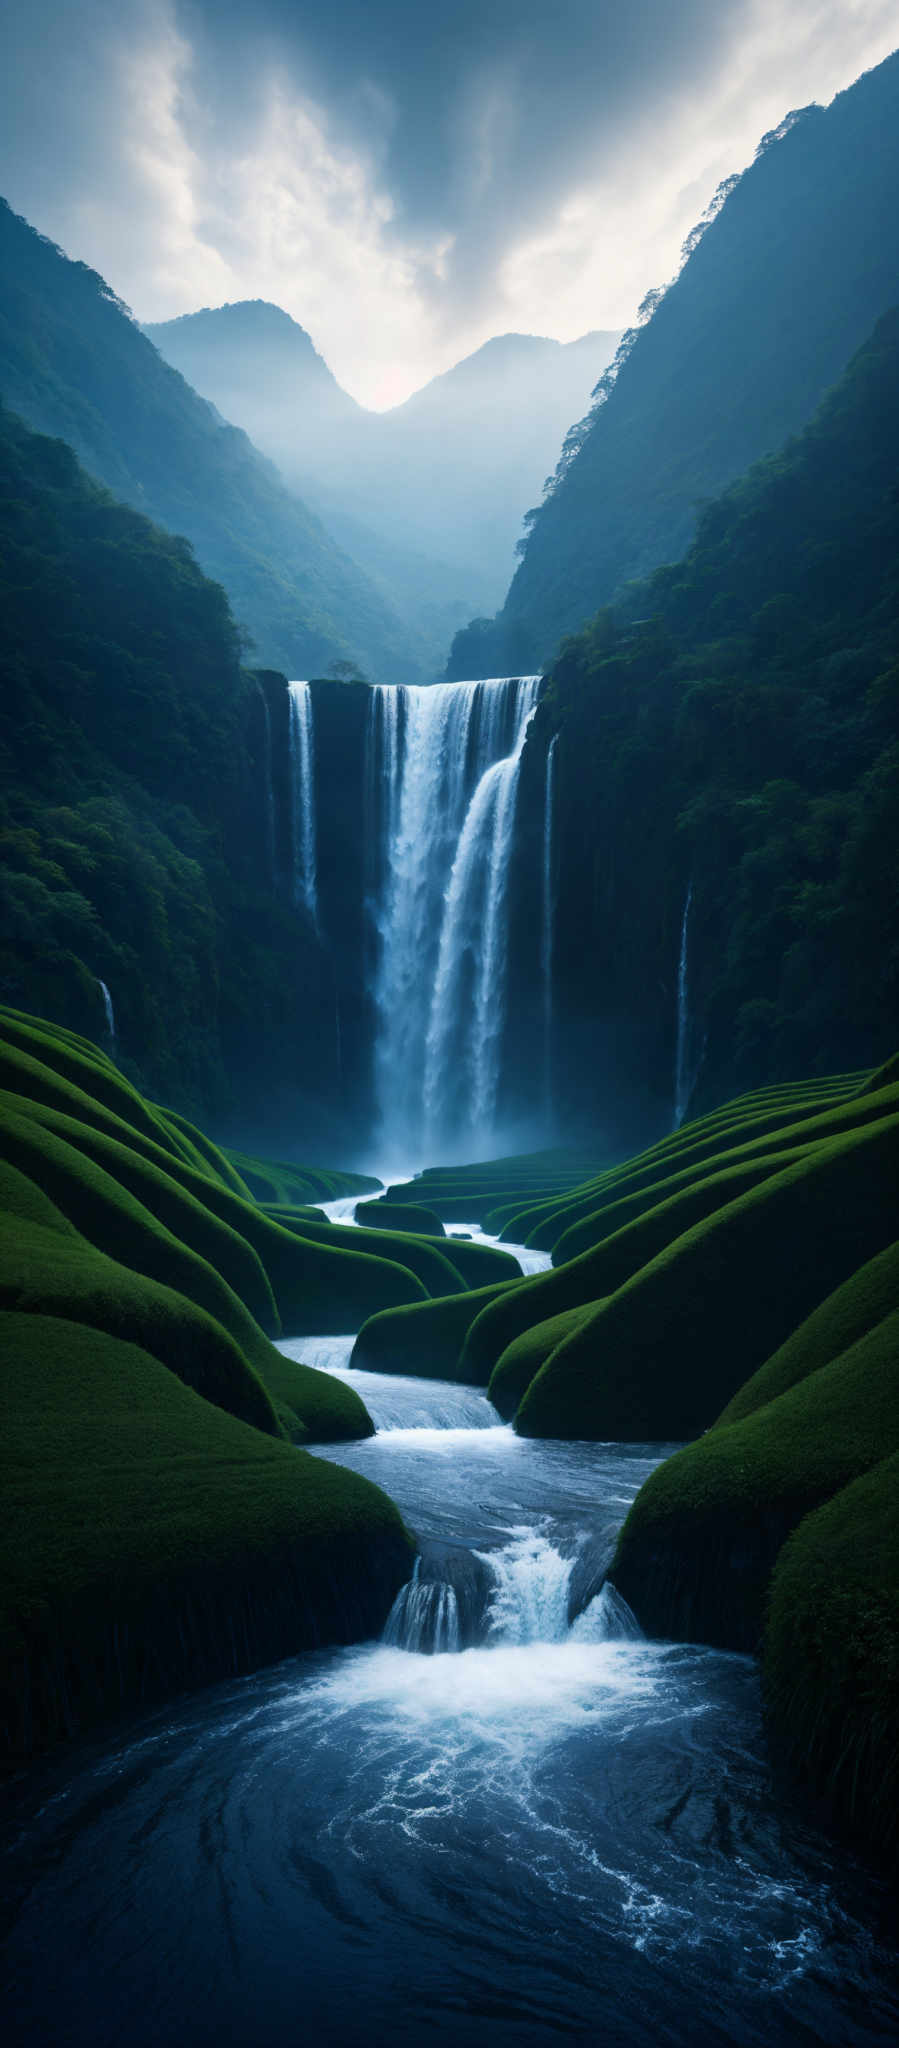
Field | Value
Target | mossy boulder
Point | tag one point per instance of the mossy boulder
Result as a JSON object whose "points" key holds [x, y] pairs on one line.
{"points": [[521, 1361], [425, 1339], [152, 1542], [697, 1551], [864, 1300], [831, 1656], [404, 1216]]}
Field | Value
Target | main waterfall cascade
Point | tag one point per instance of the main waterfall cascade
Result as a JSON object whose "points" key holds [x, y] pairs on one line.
{"points": [[446, 762], [302, 762]]}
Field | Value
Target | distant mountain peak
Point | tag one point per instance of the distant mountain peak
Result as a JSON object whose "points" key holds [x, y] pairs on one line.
{"points": [[223, 336]]}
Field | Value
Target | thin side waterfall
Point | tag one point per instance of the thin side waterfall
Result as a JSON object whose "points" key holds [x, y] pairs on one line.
{"points": [[108, 1011], [302, 766], [546, 938], [447, 765], [683, 1082]]}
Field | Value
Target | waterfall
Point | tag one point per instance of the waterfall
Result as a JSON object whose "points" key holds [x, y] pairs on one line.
{"points": [[424, 1617], [302, 765], [450, 757], [108, 1011], [521, 1597], [683, 1083], [546, 938]]}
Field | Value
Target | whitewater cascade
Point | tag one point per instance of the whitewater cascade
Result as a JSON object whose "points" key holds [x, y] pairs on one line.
{"points": [[302, 780], [108, 1010], [526, 1600], [443, 778], [546, 936], [683, 1083]]}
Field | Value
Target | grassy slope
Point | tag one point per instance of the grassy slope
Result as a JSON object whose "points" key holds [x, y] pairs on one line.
{"points": [[702, 1538], [831, 1654], [152, 1541], [725, 1294]]}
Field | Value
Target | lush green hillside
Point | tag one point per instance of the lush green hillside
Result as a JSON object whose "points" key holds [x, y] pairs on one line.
{"points": [[732, 736], [135, 838], [775, 296], [74, 364], [161, 1528]]}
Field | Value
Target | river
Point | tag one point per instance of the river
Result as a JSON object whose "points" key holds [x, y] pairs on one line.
{"points": [[561, 1832]]}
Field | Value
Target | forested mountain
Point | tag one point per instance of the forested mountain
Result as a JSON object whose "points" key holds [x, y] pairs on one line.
{"points": [[429, 495], [780, 288], [73, 363], [135, 840], [727, 784]]}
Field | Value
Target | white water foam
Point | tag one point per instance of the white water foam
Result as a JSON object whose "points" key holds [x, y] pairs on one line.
{"points": [[302, 764]]}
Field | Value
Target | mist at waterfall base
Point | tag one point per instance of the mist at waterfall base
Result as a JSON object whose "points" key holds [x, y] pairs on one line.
{"points": [[547, 1829]]}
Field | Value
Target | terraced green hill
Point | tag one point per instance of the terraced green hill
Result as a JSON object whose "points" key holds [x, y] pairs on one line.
{"points": [[163, 1528]]}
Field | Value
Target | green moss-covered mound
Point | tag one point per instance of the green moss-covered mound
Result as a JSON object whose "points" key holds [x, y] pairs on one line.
{"points": [[765, 1120], [275, 1180], [696, 1553], [660, 1357], [480, 1264], [831, 1655], [470, 1193], [522, 1359], [425, 1339], [144, 1236], [152, 1542], [405, 1216], [863, 1301]]}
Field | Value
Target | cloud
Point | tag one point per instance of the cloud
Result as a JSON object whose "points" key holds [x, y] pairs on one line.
{"points": [[405, 181]]}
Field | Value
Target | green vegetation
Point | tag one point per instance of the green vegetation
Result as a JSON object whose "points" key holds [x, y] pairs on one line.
{"points": [[663, 1354], [399, 1216], [425, 1338], [133, 843], [720, 369], [831, 1654], [701, 1540], [73, 363], [153, 1542], [862, 1302], [288, 1186], [161, 1530], [730, 731]]}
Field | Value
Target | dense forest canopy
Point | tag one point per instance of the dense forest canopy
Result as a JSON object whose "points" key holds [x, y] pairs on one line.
{"points": [[134, 837], [731, 728], [776, 293], [73, 363]]}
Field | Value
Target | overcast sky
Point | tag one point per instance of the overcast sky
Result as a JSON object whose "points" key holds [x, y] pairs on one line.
{"points": [[405, 178]]}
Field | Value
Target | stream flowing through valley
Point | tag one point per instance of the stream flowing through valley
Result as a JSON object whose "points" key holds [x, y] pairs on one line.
{"points": [[512, 1820]]}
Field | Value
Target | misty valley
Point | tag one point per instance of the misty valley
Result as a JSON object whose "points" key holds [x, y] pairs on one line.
{"points": [[449, 1053]]}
